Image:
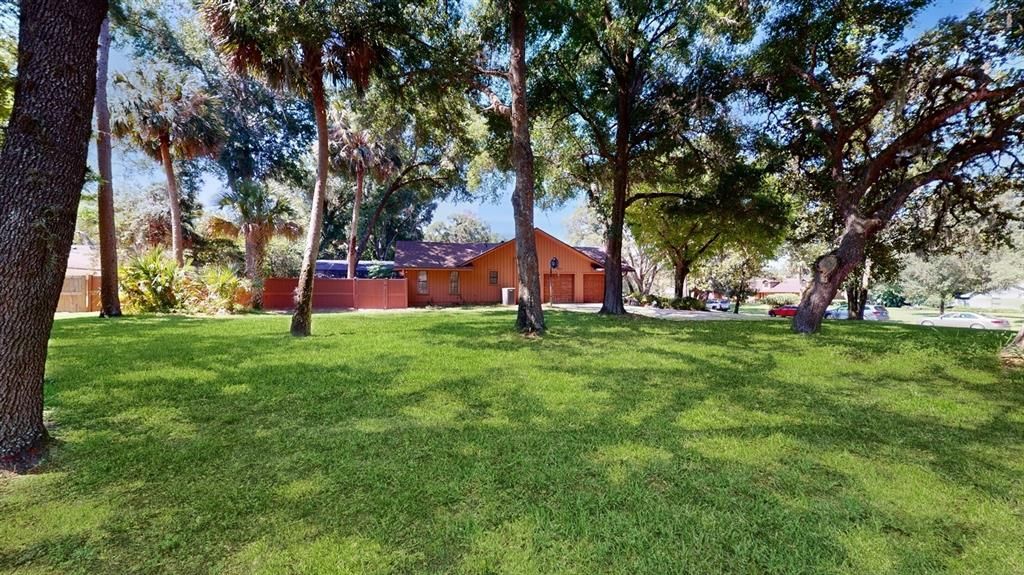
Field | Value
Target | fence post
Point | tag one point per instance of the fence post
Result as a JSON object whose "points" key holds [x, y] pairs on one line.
{"points": [[88, 292]]}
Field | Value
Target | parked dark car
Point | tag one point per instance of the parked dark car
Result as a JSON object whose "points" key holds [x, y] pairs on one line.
{"points": [[783, 311]]}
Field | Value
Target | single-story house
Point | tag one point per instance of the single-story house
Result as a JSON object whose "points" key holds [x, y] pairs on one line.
{"points": [[1009, 298], [766, 287], [441, 273]]}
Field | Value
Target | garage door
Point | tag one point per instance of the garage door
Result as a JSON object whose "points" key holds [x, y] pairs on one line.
{"points": [[559, 285], [593, 288]]}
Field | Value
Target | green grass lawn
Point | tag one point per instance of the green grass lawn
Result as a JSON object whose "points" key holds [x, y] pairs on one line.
{"points": [[442, 442]]}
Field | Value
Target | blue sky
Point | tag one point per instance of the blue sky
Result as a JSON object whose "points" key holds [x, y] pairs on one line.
{"points": [[134, 171]]}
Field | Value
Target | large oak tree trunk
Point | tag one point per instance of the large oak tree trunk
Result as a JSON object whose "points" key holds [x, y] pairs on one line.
{"points": [[173, 201], [613, 303], [42, 170], [682, 270], [302, 319], [828, 273], [110, 303], [530, 318], [353, 231]]}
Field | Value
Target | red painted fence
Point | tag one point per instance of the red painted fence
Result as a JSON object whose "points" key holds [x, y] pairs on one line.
{"points": [[279, 293]]}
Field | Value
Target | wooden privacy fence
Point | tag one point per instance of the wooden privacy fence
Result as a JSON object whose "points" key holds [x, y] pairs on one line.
{"points": [[329, 293], [80, 293]]}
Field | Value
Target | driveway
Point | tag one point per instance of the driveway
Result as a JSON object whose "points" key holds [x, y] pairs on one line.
{"points": [[658, 313]]}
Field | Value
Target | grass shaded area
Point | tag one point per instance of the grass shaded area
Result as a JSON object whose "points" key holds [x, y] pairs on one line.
{"points": [[442, 442]]}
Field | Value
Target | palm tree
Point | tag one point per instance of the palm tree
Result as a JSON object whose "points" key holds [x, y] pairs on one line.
{"points": [[293, 46], [167, 118], [110, 303], [357, 150], [260, 215]]}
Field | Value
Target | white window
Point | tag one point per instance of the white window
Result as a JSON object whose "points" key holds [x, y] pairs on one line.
{"points": [[421, 283]]}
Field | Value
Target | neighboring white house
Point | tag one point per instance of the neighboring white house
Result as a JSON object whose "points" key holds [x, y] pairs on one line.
{"points": [[1009, 298]]}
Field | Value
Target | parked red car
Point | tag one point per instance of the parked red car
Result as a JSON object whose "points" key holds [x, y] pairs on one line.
{"points": [[783, 311]]}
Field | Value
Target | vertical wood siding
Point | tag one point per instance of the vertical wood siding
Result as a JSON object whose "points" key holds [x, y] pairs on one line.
{"points": [[474, 286]]}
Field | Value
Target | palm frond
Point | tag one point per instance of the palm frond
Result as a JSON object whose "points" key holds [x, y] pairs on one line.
{"points": [[220, 227]]}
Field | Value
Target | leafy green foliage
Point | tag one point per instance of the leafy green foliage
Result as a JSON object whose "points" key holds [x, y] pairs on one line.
{"points": [[150, 282], [941, 277], [463, 227], [8, 75], [161, 105], [735, 208], [922, 132], [283, 258]]}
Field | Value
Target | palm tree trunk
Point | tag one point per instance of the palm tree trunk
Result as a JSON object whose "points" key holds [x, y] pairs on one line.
{"points": [[174, 201], [530, 317], [255, 249], [110, 304], [42, 170], [302, 319], [353, 231]]}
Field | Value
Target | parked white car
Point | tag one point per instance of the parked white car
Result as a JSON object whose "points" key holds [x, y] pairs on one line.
{"points": [[719, 305], [967, 319]]}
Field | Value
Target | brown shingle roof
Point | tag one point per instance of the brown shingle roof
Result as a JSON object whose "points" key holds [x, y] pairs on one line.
{"points": [[410, 254], [442, 255]]}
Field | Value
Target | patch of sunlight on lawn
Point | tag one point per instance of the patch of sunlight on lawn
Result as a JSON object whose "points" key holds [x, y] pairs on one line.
{"points": [[716, 413], [163, 422], [521, 547], [931, 514], [315, 555], [46, 520], [749, 450], [626, 459]]}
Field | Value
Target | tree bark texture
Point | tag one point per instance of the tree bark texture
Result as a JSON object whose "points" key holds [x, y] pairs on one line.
{"points": [[530, 317], [353, 231], [42, 170], [613, 250], [302, 319], [256, 238], [829, 273], [173, 201], [1019, 340], [110, 302], [682, 270]]}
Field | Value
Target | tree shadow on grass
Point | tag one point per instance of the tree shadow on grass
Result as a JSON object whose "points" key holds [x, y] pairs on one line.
{"points": [[448, 443]]}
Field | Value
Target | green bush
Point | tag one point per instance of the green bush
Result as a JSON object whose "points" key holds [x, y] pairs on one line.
{"points": [[152, 283], [149, 283], [380, 271], [214, 289], [781, 299], [687, 303], [283, 258]]}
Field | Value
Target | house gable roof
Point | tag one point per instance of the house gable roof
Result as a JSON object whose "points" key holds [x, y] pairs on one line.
{"points": [[444, 255], [412, 254]]}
